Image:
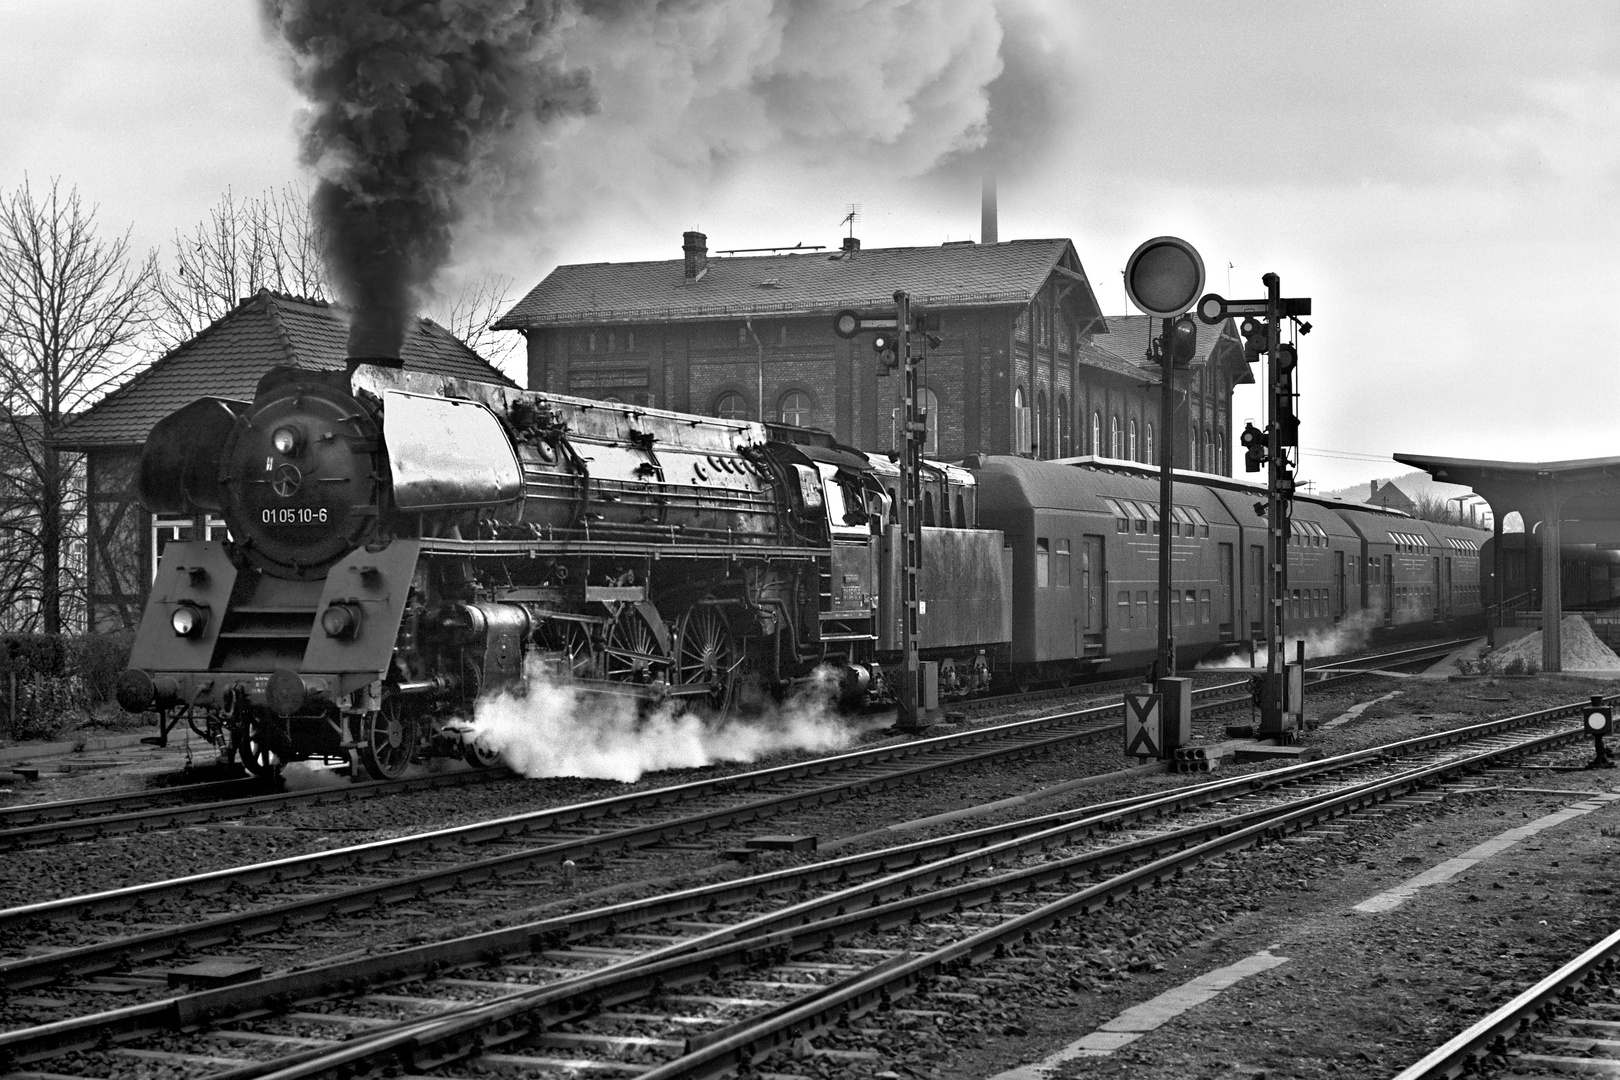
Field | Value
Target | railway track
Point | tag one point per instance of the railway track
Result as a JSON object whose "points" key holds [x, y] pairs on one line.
{"points": [[1563, 1025], [87, 934], [698, 982], [34, 824]]}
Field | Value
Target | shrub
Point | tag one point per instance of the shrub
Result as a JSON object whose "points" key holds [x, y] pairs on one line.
{"points": [[58, 678], [97, 659]]}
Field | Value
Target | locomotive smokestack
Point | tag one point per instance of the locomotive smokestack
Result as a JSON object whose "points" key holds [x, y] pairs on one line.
{"points": [[987, 210]]}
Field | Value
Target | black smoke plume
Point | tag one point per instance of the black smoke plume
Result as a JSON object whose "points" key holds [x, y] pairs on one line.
{"points": [[408, 99]]}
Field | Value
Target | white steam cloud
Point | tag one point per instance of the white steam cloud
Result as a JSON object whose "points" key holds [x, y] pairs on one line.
{"points": [[555, 729], [1349, 636], [688, 96]]}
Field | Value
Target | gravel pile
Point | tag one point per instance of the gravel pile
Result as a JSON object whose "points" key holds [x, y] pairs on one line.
{"points": [[1578, 649]]}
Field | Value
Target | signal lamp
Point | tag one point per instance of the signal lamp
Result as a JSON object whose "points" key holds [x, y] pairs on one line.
{"points": [[287, 441], [1183, 341], [1598, 717], [1255, 451], [1256, 338], [887, 347], [189, 620], [341, 621], [1287, 357]]}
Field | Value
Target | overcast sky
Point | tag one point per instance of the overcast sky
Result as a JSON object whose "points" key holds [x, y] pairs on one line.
{"points": [[1440, 178]]}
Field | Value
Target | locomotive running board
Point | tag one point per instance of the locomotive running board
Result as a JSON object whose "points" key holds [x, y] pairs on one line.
{"points": [[439, 545]]}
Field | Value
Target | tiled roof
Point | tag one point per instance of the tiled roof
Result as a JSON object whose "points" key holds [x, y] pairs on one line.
{"points": [[229, 357], [957, 275]]}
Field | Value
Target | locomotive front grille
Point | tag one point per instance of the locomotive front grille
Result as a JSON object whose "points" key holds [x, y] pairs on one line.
{"points": [[264, 638]]}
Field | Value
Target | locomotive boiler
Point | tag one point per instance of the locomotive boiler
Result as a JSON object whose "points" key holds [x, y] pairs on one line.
{"points": [[404, 544]]}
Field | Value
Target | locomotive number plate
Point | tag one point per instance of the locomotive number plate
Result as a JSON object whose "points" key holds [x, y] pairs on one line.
{"points": [[296, 515]]}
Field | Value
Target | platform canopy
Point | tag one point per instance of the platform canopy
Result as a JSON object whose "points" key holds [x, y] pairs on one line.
{"points": [[1561, 502]]}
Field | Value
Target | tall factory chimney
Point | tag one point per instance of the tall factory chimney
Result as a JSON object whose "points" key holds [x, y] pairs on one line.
{"points": [[987, 211]]}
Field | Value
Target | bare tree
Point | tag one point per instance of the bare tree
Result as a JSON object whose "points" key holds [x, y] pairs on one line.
{"points": [[480, 302], [273, 242], [268, 242], [1434, 508], [72, 306]]}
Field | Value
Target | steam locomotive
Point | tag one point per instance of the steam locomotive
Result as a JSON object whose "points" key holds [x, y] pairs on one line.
{"points": [[403, 544]]}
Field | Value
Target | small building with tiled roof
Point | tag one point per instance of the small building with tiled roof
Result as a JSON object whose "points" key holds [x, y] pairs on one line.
{"points": [[225, 360], [1391, 497], [1024, 356]]}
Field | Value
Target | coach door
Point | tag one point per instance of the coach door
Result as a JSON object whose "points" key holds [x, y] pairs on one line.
{"points": [[1254, 599], [1338, 585], [1227, 597], [1389, 590], [1442, 596], [1091, 584]]}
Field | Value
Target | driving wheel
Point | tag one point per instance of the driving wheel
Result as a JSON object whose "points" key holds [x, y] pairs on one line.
{"points": [[632, 652], [706, 653], [388, 740]]}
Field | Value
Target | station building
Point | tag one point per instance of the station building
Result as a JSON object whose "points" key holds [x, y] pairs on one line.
{"points": [[1026, 362]]}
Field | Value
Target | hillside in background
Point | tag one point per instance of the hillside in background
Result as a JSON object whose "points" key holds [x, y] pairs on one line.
{"points": [[1417, 485]]}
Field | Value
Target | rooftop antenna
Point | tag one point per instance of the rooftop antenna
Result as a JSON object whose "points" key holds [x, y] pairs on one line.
{"points": [[852, 211]]}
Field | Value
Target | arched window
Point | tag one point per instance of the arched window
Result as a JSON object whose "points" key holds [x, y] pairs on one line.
{"points": [[1038, 313], [1220, 450], [1021, 325], [928, 402], [731, 406], [1065, 428], [1130, 446], [1114, 447], [795, 408], [1043, 424], [1147, 449], [1096, 433]]}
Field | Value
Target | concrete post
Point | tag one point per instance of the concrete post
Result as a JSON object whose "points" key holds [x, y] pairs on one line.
{"points": [[1552, 583]]}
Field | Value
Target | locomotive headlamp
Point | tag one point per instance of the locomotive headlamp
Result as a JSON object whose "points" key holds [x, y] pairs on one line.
{"points": [[189, 620], [286, 440], [341, 621]]}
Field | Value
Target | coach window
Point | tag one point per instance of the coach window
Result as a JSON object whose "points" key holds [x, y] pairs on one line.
{"points": [[731, 406], [1142, 605], [1122, 521], [1175, 607], [1138, 519], [1152, 513], [1124, 603], [1061, 570], [1043, 562], [795, 408]]}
